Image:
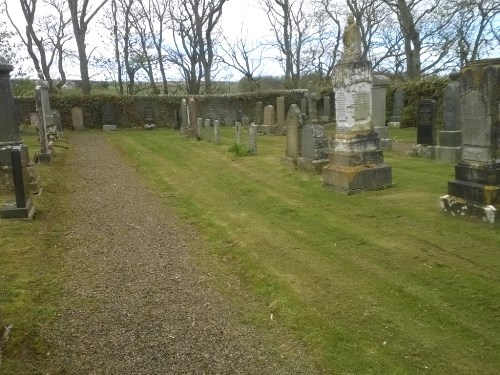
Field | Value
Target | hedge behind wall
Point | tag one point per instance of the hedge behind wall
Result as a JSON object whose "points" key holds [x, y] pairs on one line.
{"points": [[129, 110]]}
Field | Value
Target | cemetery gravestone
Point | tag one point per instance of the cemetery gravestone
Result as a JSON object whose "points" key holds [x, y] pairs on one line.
{"points": [[199, 128], [314, 149], [184, 117], [43, 108], [268, 127], [237, 133], [252, 139], [303, 105], [108, 117], [355, 162], [379, 89], [280, 115], [245, 121], [397, 107], [293, 136], [14, 156], [427, 115], [327, 108], [449, 147], [207, 130], [216, 132], [77, 118], [475, 191], [192, 130], [258, 113]]}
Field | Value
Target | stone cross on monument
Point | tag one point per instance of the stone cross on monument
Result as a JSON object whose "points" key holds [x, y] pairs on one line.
{"points": [[355, 162]]}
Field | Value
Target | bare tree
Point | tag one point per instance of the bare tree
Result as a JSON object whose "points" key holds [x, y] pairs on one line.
{"points": [[81, 16], [244, 57], [44, 37], [477, 23], [155, 12], [292, 28], [6, 46], [194, 29]]}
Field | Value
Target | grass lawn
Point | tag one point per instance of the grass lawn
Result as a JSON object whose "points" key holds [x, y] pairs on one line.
{"points": [[380, 282]]}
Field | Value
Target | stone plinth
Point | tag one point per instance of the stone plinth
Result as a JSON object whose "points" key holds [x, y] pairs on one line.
{"points": [[475, 191], [356, 164]]}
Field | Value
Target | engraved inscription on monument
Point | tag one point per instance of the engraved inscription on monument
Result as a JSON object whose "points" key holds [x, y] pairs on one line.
{"points": [[361, 105], [340, 106], [474, 120]]}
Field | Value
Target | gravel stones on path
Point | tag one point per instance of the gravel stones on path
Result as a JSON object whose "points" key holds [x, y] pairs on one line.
{"points": [[133, 302]]}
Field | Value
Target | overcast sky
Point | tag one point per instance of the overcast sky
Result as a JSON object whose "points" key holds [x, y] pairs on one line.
{"points": [[237, 16]]}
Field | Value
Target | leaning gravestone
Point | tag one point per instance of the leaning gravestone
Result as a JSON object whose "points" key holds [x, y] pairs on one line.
{"points": [[108, 117], [314, 149], [356, 163], [475, 191], [14, 156], [450, 138], [293, 136]]}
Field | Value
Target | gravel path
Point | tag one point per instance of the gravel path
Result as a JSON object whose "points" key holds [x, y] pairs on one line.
{"points": [[134, 302]]}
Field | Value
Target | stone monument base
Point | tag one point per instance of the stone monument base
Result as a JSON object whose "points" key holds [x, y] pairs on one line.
{"points": [[268, 129], [425, 151], [448, 154], [11, 211], [108, 128], [289, 162], [311, 166], [459, 207], [356, 164]]}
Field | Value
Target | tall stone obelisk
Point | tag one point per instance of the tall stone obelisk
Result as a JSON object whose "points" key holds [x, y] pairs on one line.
{"points": [[355, 162]]}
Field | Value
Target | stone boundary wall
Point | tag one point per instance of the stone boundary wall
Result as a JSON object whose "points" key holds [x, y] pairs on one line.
{"points": [[129, 110]]}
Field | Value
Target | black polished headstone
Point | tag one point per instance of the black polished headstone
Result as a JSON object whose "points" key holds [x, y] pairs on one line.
{"points": [[427, 115], [9, 127]]}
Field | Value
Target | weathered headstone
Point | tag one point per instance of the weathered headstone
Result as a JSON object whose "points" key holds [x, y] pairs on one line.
{"points": [[450, 138], [43, 108], [397, 107], [379, 89], [268, 126], [199, 128], [312, 105], [178, 119], [184, 113], [14, 156], [293, 136], [239, 116], [245, 122], [192, 130], [108, 117], [77, 118], [426, 125], [258, 113], [280, 114], [355, 162], [207, 130], [237, 133], [252, 139], [475, 191], [216, 132], [314, 149]]}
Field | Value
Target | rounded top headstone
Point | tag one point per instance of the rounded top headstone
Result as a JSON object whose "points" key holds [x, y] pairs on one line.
{"points": [[454, 75]]}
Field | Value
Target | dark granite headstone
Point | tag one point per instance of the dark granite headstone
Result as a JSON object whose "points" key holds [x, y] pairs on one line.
{"points": [[427, 115]]}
